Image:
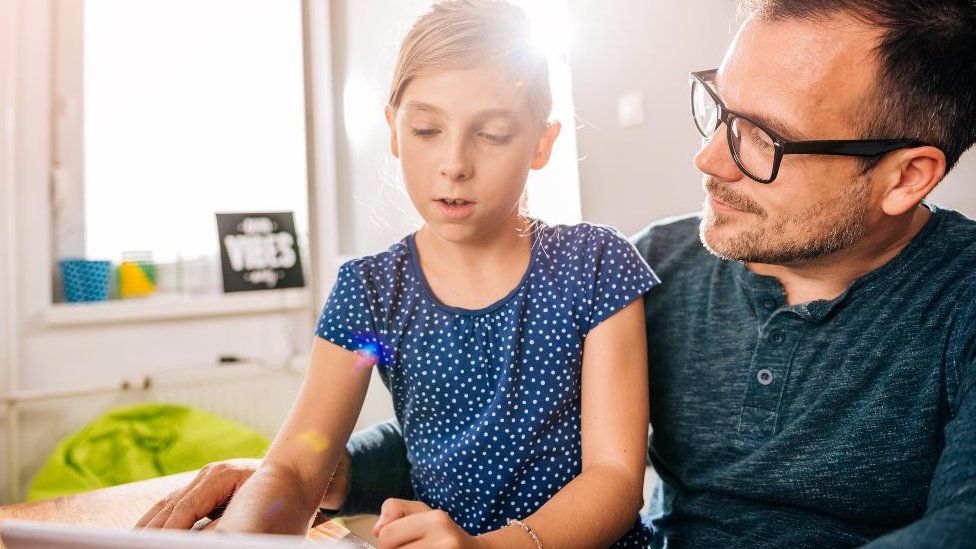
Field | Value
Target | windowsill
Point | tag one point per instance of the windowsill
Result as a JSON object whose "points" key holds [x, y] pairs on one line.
{"points": [[177, 307]]}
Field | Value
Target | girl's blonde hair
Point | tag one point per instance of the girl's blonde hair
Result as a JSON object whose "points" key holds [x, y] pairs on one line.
{"points": [[468, 33]]}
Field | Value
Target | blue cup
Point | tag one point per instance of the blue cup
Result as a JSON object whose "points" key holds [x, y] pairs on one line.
{"points": [[85, 280]]}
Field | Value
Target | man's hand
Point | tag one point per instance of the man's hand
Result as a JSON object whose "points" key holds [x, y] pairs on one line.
{"points": [[215, 484], [211, 489], [414, 525]]}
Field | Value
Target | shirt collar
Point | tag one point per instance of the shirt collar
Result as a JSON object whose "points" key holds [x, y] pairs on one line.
{"points": [[767, 294]]}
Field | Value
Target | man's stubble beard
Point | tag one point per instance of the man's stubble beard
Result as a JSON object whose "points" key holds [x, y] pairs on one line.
{"points": [[818, 230]]}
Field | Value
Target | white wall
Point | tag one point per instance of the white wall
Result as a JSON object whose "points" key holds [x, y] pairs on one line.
{"points": [[958, 190], [374, 209], [633, 176]]}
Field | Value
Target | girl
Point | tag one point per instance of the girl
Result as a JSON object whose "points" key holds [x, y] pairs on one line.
{"points": [[514, 351]]}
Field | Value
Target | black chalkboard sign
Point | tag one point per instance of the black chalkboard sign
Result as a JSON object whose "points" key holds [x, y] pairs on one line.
{"points": [[259, 251]]}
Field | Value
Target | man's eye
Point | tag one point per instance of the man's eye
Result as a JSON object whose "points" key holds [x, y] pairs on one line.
{"points": [[761, 140], [425, 133]]}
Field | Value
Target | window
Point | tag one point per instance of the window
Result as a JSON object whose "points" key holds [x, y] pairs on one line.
{"points": [[188, 108]]}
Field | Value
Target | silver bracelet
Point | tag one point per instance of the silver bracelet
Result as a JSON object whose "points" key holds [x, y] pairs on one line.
{"points": [[525, 528]]}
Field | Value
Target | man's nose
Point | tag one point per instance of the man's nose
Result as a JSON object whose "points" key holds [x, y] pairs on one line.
{"points": [[715, 158]]}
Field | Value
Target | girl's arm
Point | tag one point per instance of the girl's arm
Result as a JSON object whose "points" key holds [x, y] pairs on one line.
{"points": [[602, 503], [283, 494]]}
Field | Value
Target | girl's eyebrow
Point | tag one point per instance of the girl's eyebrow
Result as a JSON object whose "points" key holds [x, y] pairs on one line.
{"points": [[487, 113], [426, 107], [497, 113]]}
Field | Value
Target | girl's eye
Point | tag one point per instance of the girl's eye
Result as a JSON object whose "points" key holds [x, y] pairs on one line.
{"points": [[495, 139], [425, 133]]}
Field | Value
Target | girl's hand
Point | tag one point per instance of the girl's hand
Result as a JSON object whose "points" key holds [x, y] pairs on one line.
{"points": [[414, 525]]}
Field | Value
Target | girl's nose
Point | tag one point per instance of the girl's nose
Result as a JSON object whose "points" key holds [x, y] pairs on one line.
{"points": [[456, 165]]}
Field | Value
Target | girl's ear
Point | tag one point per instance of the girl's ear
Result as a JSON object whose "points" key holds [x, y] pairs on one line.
{"points": [[544, 149], [391, 121]]}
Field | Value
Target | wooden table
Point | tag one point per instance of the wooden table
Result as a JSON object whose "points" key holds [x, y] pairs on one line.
{"points": [[122, 506]]}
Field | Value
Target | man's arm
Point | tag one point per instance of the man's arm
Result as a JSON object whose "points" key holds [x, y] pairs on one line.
{"points": [[378, 469], [950, 520]]}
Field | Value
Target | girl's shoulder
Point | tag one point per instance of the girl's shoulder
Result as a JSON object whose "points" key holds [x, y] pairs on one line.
{"points": [[579, 241], [380, 268]]}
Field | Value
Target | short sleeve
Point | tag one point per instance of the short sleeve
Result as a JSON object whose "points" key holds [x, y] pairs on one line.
{"points": [[347, 319], [620, 276]]}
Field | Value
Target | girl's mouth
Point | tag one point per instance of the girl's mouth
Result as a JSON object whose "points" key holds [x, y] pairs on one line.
{"points": [[455, 208]]}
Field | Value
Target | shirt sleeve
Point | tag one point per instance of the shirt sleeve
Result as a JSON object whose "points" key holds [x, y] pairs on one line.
{"points": [[620, 276], [348, 318], [950, 517], [378, 469]]}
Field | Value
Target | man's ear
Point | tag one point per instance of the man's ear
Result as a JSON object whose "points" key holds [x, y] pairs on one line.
{"points": [[544, 149], [908, 176], [391, 122]]}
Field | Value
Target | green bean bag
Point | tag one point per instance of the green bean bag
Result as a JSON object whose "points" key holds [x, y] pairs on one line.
{"points": [[141, 442]]}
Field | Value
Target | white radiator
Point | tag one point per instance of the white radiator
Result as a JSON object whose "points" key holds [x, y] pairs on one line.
{"points": [[257, 397], [254, 396]]}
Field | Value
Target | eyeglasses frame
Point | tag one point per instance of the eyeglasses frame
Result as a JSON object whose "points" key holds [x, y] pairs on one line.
{"points": [[783, 146]]}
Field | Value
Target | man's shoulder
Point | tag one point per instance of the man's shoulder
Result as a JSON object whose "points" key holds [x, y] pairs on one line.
{"points": [[958, 232], [950, 251], [672, 243]]}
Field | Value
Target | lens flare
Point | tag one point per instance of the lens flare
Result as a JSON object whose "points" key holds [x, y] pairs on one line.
{"points": [[274, 508], [370, 350], [314, 441]]}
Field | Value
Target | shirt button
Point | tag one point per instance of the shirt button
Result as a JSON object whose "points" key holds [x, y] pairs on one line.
{"points": [[765, 377], [769, 304], [776, 337]]}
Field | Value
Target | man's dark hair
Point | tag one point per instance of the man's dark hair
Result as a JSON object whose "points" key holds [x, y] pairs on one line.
{"points": [[926, 85]]}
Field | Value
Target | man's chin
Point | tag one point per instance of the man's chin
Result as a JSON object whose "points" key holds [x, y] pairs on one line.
{"points": [[715, 244], [726, 239]]}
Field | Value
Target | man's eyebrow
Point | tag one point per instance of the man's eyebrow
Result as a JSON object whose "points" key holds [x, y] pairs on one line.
{"points": [[781, 127]]}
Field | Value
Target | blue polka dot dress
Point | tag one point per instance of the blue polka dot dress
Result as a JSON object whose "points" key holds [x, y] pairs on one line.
{"points": [[489, 399]]}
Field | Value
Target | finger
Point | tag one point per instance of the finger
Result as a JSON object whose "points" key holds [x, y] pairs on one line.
{"points": [[168, 503], [391, 510], [175, 495], [200, 500], [162, 515], [394, 509], [419, 544], [414, 528], [190, 508], [150, 514]]}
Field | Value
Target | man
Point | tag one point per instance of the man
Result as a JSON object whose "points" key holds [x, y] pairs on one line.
{"points": [[813, 344]]}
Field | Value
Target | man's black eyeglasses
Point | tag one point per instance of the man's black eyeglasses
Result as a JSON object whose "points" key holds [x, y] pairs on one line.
{"points": [[757, 150]]}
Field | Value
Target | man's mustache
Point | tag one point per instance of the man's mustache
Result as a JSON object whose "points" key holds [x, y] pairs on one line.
{"points": [[731, 198]]}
